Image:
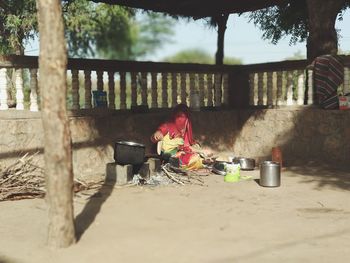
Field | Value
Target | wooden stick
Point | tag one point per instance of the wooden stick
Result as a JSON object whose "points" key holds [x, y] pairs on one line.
{"points": [[172, 177]]}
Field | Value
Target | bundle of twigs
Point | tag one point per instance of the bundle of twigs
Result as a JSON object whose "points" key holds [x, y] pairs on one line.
{"points": [[22, 179], [183, 177]]}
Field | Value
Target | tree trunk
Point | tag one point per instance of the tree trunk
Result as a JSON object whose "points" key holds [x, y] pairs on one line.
{"points": [[221, 22], [58, 155], [322, 37]]}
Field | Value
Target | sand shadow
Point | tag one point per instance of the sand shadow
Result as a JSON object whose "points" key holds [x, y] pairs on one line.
{"points": [[6, 260], [92, 208]]}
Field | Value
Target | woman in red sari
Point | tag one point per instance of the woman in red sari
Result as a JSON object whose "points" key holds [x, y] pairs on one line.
{"points": [[177, 140]]}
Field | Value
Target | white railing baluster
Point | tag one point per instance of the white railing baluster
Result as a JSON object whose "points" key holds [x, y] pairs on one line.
{"points": [[99, 80], [154, 90], [279, 101], [75, 89], [290, 88], [144, 88], [201, 89], [217, 89], [251, 88], [225, 89], [269, 88], [192, 88], [111, 90], [346, 88], [3, 89], [310, 85], [173, 89], [34, 90], [87, 89], [19, 89], [210, 89], [301, 85], [183, 88], [164, 90], [122, 90], [261, 88], [133, 89]]}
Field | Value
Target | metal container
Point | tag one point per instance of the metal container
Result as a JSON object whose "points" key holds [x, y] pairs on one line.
{"points": [[126, 152], [219, 168], [245, 163], [270, 174]]}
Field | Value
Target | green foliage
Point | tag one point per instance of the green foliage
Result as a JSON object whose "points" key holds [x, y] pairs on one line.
{"points": [[90, 26], [18, 24], [281, 21], [115, 33], [296, 56], [198, 56], [232, 61], [153, 31], [143, 37], [107, 31], [112, 32], [191, 56]]}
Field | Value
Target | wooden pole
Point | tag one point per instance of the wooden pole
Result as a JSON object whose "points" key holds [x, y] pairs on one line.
{"points": [[57, 139]]}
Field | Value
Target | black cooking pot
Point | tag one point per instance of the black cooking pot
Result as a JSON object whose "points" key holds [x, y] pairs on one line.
{"points": [[126, 152]]}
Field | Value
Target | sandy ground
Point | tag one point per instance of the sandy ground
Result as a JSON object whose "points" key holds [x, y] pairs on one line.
{"points": [[304, 220]]}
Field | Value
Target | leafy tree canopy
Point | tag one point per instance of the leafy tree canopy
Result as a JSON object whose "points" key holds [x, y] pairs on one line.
{"points": [[286, 20], [18, 25], [198, 56], [147, 32], [92, 30]]}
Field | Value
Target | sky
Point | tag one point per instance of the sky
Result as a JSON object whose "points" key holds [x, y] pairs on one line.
{"points": [[242, 40]]}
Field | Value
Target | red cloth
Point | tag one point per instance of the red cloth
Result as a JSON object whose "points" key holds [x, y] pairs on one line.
{"points": [[179, 127]]}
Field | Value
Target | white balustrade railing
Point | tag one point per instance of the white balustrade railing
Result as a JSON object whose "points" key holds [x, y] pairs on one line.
{"points": [[286, 87], [277, 88], [163, 85]]}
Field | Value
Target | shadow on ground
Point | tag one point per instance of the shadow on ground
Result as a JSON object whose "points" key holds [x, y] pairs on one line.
{"points": [[283, 245], [91, 209], [323, 175], [6, 260]]}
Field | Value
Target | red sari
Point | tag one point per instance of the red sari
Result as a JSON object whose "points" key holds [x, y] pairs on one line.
{"points": [[180, 126]]}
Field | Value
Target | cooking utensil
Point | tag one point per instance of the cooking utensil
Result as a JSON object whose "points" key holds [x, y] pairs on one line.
{"points": [[270, 174], [219, 168], [126, 152], [245, 163]]}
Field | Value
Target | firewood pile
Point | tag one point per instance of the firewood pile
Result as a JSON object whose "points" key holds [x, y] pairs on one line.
{"points": [[183, 177], [25, 179], [22, 179]]}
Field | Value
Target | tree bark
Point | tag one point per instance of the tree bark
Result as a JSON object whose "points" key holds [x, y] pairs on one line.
{"points": [[322, 37], [221, 22], [58, 155]]}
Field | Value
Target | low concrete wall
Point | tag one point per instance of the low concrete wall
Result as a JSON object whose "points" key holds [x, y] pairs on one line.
{"points": [[303, 133]]}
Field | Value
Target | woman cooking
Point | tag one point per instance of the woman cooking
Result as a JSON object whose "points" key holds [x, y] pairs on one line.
{"points": [[177, 140]]}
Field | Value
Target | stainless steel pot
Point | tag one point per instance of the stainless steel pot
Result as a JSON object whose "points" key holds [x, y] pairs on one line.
{"points": [[245, 163], [270, 174], [126, 152]]}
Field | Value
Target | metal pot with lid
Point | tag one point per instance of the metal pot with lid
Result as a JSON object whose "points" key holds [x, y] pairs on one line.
{"points": [[270, 174]]}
